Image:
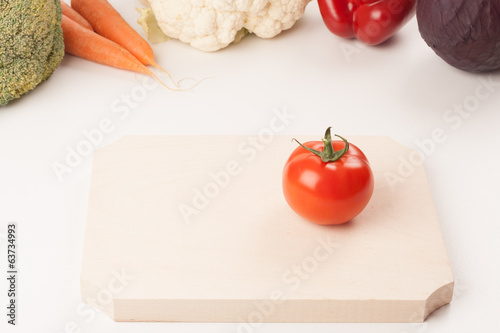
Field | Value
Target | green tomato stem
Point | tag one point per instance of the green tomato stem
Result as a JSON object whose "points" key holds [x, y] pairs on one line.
{"points": [[328, 154]]}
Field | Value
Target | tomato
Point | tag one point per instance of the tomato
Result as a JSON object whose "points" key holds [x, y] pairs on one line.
{"points": [[327, 182]]}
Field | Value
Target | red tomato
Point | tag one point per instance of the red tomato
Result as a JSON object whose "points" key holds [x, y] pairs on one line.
{"points": [[327, 182]]}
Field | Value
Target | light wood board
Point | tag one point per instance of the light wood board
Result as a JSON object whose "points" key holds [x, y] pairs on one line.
{"points": [[238, 253]]}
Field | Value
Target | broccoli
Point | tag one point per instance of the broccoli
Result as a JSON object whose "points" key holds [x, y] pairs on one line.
{"points": [[31, 44]]}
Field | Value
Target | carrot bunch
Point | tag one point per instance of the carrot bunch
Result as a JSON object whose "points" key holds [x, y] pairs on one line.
{"points": [[95, 31]]}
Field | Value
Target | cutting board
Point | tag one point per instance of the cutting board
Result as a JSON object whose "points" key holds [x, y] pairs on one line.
{"points": [[196, 229]]}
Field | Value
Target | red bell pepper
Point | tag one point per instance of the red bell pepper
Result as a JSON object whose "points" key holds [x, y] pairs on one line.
{"points": [[370, 21]]}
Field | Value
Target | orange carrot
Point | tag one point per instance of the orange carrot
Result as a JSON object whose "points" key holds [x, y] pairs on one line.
{"points": [[86, 44], [108, 23], [73, 14]]}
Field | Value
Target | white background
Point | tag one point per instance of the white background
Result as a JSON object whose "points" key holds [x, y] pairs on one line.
{"points": [[400, 89]]}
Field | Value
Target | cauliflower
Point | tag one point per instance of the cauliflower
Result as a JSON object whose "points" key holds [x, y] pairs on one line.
{"points": [[210, 25], [31, 45]]}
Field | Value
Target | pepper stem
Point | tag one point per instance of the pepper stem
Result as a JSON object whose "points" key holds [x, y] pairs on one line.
{"points": [[328, 154]]}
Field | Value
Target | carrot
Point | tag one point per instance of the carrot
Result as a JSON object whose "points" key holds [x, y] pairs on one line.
{"points": [[73, 14], [86, 44], [108, 23]]}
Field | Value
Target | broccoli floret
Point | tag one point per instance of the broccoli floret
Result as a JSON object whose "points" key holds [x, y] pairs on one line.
{"points": [[31, 44]]}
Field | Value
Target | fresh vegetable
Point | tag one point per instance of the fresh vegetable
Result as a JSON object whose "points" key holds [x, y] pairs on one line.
{"points": [[31, 45], [464, 33], [327, 182], [213, 25], [86, 44], [73, 14], [108, 23], [370, 21]]}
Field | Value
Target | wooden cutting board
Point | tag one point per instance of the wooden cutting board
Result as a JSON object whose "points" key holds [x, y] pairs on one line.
{"points": [[196, 229]]}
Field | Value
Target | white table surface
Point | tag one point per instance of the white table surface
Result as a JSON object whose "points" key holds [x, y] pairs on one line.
{"points": [[400, 89]]}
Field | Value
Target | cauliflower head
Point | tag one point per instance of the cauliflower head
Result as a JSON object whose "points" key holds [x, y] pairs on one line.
{"points": [[210, 25], [31, 45]]}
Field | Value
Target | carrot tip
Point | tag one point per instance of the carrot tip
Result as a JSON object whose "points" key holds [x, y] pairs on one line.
{"points": [[154, 64], [173, 89], [197, 83]]}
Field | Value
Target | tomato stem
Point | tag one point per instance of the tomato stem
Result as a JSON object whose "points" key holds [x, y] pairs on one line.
{"points": [[328, 154]]}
